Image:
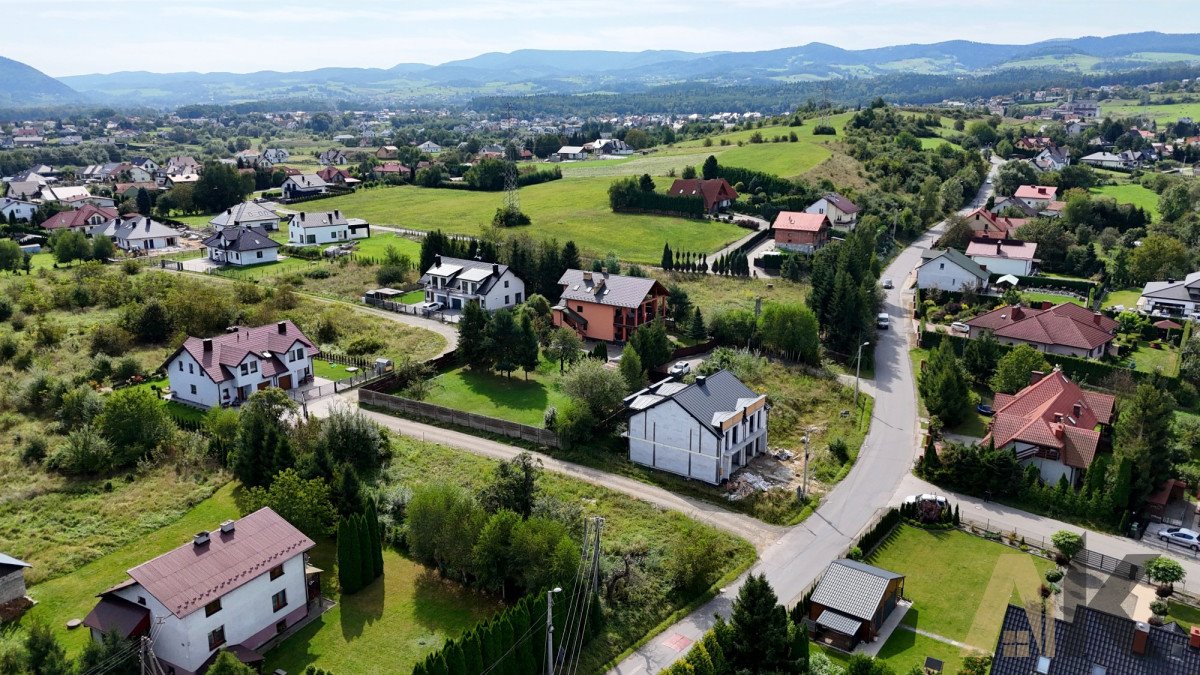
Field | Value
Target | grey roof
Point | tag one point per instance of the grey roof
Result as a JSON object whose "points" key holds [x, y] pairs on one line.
{"points": [[240, 238], [29, 188], [960, 259], [605, 288], [831, 618], [469, 270], [1093, 638], [1187, 290], [853, 588], [317, 219], [142, 227], [6, 559], [241, 213], [711, 401], [308, 180]]}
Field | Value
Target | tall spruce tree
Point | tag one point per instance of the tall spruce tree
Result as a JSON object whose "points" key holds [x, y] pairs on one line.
{"points": [[668, 259], [376, 537], [943, 385], [349, 567], [366, 555], [472, 656], [570, 257], [474, 339], [455, 663]]}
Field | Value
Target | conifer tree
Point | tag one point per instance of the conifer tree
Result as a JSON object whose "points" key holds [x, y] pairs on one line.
{"points": [[349, 563], [376, 537], [472, 656], [366, 556], [454, 659], [667, 260]]}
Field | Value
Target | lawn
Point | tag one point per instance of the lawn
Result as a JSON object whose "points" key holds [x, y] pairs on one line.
{"points": [[1127, 297], [264, 270], [509, 398], [386, 627], [714, 294], [1162, 112], [906, 649], [377, 245], [960, 584], [413, 297], [1149, 360], [140, 535], [329, 370], [572, 208], [1184, 615], [1132, 193], [1034, 296], [782, 159]]}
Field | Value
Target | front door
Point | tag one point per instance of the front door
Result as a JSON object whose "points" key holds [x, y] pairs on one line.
{"points": [[285, 381]]}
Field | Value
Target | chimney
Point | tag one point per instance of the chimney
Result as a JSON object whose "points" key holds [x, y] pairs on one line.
{"points": [[282, 326], [1017, 313], [1036, 376], [1096, 318], [1141, 637], [700, 379], [1077, 410], [1194, 638], [1046, 304], [495, 269], [301, 215], [1058, 418], [437, 260], [207, 344], [227, 527], [201, 539], [337, 214], [587, 276]]}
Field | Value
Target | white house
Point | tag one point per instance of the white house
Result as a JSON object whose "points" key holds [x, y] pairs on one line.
{"points": [[145, 164], [226, 369], [611, 146], [241, 245], [1036, 196], [1004, 256], [304, 185], [325, 227], [275, 155], [456, 281], [1172, 297], [248, 214], [75, 196], [1107, 160], [233, 588], [841, 211], [950, 270], [430, 147], [134, 232], [570, 152], [1051, 159], [17, 208], [706, 430]]}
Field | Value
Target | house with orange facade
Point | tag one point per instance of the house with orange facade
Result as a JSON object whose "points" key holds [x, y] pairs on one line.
{"points": [[798, 231], [608, 307]]}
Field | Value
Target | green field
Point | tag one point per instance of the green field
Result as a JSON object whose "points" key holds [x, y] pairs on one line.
{"points": [[1156, 111], [1127, 297], [1132, 193], [510, 398], [575, 208]]}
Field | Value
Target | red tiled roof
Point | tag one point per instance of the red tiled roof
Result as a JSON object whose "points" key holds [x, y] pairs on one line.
{"points": [[994, 227], [1044, 414], [191, 576], [229, 349], [78, 217], [329, 173], [1066, 324], [1055, 206], [713, 190], [1036, 192], [800, 222]]}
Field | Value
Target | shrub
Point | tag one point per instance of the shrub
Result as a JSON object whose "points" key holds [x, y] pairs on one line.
{"points": [[855, 553], [364, 345], [390, 275], [110, 339], [1054, 575], [6, 309], [86, 452], [318, 273], [824, 130], [126, 369], [839, 450], [34, 450]]}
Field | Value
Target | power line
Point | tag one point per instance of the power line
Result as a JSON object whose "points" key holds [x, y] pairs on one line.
{"points": [[534, 626]]}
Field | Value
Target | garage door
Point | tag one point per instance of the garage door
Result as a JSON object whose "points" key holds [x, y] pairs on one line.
{"points": [[285, 381]]}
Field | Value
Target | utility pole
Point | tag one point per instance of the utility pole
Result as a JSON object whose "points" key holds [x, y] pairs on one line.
{"points": [[857, 371], [550, 629], [804, 438]]}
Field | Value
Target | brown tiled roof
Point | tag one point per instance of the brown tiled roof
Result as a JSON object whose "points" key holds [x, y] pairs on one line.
{"points": [[191, 576], [1044, 414], [999, 227], [712, 190], [844, 205], [229, 349], [1066, 324], [77, 217], [800, 221]]}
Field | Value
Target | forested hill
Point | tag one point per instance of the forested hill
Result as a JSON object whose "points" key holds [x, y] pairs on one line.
{"points": [[23, 85]]}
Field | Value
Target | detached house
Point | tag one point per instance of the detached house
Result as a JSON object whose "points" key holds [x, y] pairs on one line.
{"points": [[1172, 297], [803, 232], [335, 176], [86, 215], [241, 245], [1052, 424], [134, 232], [1052, 158], [986, 225], [706, 430], [607, 307], [430, 147], [1004, 256], [325, 227], [247, 214], [852, 601], [304, 185], [1066, 329], [18, 209], [332, 156], [841, 211], [950, 270], [233, 588], [226, 369], [1036, 196], [454, 282], [387, 152], [571, 152], [717, 193]]}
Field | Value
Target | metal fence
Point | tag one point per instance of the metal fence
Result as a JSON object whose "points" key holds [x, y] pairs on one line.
{"points": [[336, 387], [438, 413], [415, 310]]}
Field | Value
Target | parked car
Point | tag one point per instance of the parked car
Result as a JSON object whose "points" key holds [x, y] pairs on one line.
{"points": [[432, 306], [1181, 537], [985, 409], [913, 499], [883, 321], [680, 369], [887, 283], [960, 327]]}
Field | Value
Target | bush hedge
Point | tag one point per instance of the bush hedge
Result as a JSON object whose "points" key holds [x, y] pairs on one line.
{"points": [[880, 532]]}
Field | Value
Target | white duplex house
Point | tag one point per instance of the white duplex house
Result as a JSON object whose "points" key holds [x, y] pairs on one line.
{"points": [[226, 369], [234, 588], [705, 430], [325, 227], [241, 245], [133, 232], [456, 281], [950, 270]]}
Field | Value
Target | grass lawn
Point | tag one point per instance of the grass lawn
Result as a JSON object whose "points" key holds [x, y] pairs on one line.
{"points": [[714, 294], [1030, 296], [1162, 112], [572, 208], [329, 370], [782, 159], [1150, 360], [264, 270], [386, 627], [1132, 193], [959, 584], [377, 244], [509, 398], [1184, 615], [184, 412], [1127, 297], [73, 596], [905, 649], [413, 297]]}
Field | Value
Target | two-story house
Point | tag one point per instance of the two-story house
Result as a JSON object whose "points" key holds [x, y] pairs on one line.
{"points": [[950, 270], [456, 281], [233, 588], [303, 185], [706, 430], [841, 211], [607, 307], [226, 369], [717, 193], [1036, 196], [802, 232], [241, 245], [325, 227], [1173, 297]]}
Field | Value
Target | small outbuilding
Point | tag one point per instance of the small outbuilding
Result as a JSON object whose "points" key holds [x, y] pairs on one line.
{"points": [[12, 578], [851, 603]]}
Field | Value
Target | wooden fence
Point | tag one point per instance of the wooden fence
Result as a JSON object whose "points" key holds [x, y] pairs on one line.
{"points": [[409, 407]]}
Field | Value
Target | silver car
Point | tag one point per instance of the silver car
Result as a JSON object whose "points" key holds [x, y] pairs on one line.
{"points": [[680, 369], [1181, 537]]}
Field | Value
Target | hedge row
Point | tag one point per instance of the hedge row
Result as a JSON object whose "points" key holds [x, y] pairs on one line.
{"points": [[880, 532], [752, 180], [656, 202], [1080, 286]]}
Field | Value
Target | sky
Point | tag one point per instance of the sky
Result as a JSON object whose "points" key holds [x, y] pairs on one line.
{"points": [[73, 37]]}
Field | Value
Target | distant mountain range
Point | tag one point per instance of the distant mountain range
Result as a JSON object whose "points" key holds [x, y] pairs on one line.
{"points": [[532, 71]]}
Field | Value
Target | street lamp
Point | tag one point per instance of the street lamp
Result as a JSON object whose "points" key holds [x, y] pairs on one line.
{"points": [[804, 439], [857, 370], [550, 628]]}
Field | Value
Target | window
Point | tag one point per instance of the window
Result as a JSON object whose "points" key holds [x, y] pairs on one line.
{"points": [[579, 308], [279, 600], [506, 299], [216, 638], [254, 366], [193, 389], [941, 266], [517, 297], [212, 608], [141, 600], [281, 626], [191, 369], [245, 369], [276, 572], [259, 254], [181, 366], [506, 283], [299, 353]]}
